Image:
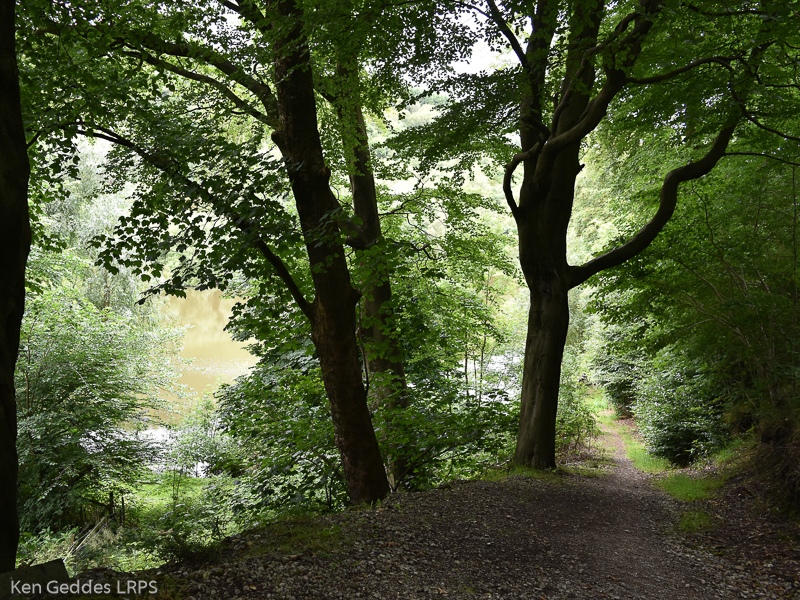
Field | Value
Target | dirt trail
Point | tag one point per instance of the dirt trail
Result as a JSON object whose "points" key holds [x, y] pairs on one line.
{"points": [[616, 529], [519, 538]]}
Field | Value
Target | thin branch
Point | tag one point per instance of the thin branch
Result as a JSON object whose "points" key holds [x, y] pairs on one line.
{"points": [[212, 59], [234, 7], [248, 10], [720, 60], [34, 139], [700, 307], [403, 204], [720, 297], [735, 277], [728, 13], [215, 83], [758, 123], [770, 156], [498, 20], [496, 17], [137, 40], [169, 167]]}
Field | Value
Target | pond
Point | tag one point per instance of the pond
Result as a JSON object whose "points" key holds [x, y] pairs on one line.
{"points": [[215, 357]]}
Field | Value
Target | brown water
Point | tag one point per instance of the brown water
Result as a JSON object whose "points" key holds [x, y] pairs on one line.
{"points": [[215, 357]]}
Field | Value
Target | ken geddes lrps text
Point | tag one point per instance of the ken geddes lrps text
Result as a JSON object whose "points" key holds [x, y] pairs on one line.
{"points": [[84, 587]]}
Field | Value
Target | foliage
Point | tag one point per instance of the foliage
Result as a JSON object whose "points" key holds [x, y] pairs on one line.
{"points": [[84, 388], [179, 516], [687, 488], [679, 414], [575, 422], [698, 331], [697, 520], [166, 518], [90, 366], [279, 416], [196, 446]]}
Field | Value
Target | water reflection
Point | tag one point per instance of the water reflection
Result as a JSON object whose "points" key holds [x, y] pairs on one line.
{"points": [[216, 357]]}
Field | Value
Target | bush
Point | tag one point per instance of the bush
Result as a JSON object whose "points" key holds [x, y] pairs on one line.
{"points": [[85, 382], [680, 416], [279, 416], [616, 370], [575, 422]]}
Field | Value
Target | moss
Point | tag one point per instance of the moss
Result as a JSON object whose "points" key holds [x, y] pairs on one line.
{"points": [[298, 535], [551, 475]]}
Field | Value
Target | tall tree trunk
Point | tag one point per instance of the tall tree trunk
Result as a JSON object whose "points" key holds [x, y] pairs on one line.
{"points": [[542, 215], [333, 320], [548, 320], [15, 241], [384, 356], [542, 230]]}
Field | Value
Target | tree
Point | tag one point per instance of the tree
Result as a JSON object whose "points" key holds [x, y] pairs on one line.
{"points": [[578, 64], [14, 244], [200, 130], [703, 321]]}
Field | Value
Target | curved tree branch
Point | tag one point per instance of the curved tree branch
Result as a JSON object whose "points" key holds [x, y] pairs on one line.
{"points": [[721, 60], [497, 18], [770, 156], [213, 59], [142, 42], [510, 168], [249, 11], [668, 201], [760, 125], [616, 79]]}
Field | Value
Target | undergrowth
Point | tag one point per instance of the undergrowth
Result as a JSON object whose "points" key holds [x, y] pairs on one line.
{"points": [[169, 518], [696, 520]]}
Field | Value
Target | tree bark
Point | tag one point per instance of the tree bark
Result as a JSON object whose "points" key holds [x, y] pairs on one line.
{"points": [[15, 240], [333, 319], [542, 223], [548, 321], [383, 354], [550, 159]]}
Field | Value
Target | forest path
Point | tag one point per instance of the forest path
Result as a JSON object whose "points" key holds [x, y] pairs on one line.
{"points": [[520, 538]]}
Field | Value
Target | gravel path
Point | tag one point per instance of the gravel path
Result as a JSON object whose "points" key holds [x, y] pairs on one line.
{"points": [[519, 538]]}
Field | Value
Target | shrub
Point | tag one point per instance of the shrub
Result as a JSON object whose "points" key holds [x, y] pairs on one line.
{"points": [[680, 415], [85, 381], [575, 421]]}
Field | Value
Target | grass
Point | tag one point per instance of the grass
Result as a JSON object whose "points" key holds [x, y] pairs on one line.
{"points": [[494, 475], [311, 536], [696, 520], [687, 488], [678, 485], [596, 400], [553, 476], [634, 448], [642, 459]]}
